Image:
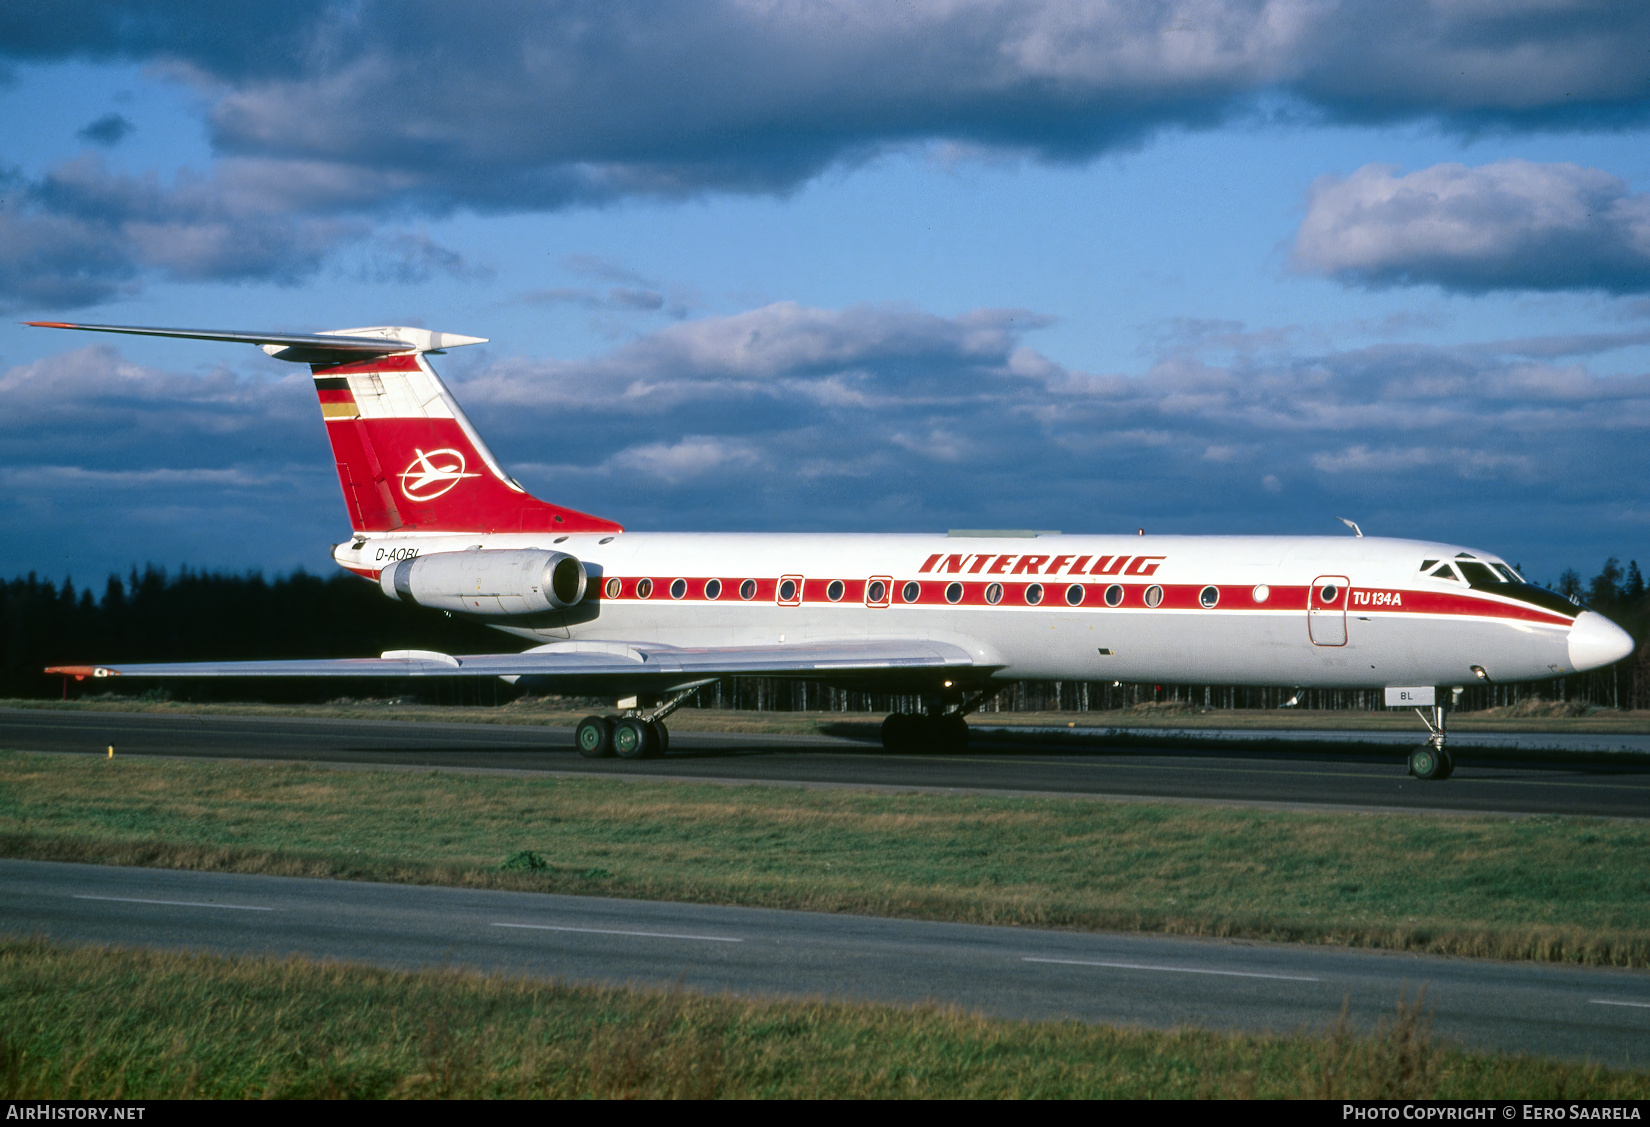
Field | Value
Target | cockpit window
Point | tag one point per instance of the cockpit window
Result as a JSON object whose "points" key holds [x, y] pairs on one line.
{"points": [[1500, 578], [1479, 574]]}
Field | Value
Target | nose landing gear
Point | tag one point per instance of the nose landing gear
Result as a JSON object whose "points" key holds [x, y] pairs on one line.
{"points": [[1431, 761]]}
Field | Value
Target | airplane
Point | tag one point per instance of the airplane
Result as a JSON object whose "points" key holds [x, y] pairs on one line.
{"points": [[647, 619]]}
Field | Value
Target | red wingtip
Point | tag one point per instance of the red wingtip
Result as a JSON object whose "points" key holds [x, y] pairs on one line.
{"points": [[82, 671], [51, 324]]}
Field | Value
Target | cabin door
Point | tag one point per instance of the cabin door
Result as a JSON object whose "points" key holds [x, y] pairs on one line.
{"points": [[1326, 610]]}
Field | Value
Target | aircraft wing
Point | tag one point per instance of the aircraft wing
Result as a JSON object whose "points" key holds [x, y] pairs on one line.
{"points": [[590, 665]]}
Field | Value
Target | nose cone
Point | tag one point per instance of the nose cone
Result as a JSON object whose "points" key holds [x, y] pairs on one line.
{"points": [[1596, 641]]}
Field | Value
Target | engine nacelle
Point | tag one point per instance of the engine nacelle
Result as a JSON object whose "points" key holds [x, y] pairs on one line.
{"points": [[491, 582]]}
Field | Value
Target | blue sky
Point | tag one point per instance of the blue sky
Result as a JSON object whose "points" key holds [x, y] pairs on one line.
{"points": [[1202, 267]]}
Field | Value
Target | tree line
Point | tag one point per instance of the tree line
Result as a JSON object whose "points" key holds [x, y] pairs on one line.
{"points": [[193, 615]]}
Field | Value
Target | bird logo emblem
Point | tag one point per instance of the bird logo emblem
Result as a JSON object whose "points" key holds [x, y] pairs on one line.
{"points": [[430, 475]]}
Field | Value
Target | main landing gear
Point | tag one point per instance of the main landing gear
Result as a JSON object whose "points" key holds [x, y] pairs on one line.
{"points": [[938, 730], [946, 733], [1431, 761], [636, 735], [628, 737]]}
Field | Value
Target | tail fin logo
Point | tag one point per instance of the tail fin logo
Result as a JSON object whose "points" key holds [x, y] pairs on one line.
{"points": [[430, 475]]}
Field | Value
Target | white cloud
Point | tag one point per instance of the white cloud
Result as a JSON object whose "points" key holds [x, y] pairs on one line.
{"points": [[80, 233], [45, 478], [936, 445], [1508, 225], [1456, 461], [330, 119], [94, 388], [692, 457]]}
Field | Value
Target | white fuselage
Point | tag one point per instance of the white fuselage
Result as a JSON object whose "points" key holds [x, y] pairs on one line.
{"points": [[1352, 612]]}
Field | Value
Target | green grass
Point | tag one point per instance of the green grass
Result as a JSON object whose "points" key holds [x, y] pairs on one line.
{"points": [[1551, 888], [92, 1023]]}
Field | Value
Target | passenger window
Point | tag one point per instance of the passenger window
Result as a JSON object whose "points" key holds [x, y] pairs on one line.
{"points": [[713, 589], [911, 592], [747, 589], [1034, 594]]}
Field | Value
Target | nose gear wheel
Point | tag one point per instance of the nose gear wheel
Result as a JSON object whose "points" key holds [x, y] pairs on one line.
{"points": [[1431, 762]]}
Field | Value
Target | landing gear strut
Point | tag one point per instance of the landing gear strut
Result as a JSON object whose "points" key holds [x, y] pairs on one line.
{"points": [[945, 733], [637, 735], [1431, 761], [940, 729]]}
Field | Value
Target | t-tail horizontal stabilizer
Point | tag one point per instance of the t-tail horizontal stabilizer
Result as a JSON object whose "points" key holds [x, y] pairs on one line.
{"points": [[333, 346]]}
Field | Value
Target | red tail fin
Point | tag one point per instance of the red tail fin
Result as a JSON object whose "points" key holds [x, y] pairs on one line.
{"points": [[408, 458]]}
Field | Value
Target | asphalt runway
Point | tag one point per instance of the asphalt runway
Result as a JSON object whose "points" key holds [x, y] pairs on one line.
{"points": [[1319, 775], [1599, 1015]]}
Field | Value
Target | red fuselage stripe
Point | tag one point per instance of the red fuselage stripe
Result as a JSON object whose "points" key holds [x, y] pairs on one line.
{"points": [[1175, 596]]}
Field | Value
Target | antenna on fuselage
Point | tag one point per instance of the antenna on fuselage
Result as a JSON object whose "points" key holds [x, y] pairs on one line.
{"points": [[1353, 525]]}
